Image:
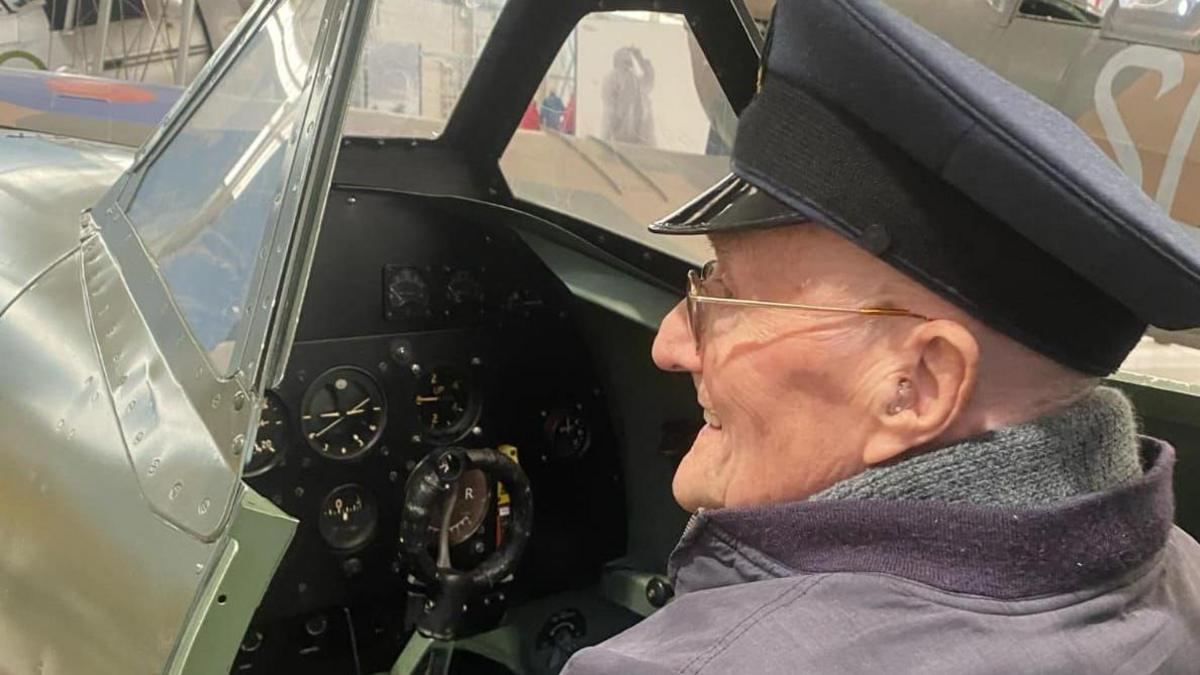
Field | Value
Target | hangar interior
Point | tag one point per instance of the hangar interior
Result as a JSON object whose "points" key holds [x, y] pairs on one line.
{"points": [[482, 277]]}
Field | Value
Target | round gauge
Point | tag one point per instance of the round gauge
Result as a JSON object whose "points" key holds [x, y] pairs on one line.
{"points": [[464, 290], [343, 413], [407, 293], [468, 504], [348, 517], [568, 434], [443, 402], [271, 437]]}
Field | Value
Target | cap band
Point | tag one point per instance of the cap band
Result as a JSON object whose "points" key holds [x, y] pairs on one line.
{"points": [[825, 163]]}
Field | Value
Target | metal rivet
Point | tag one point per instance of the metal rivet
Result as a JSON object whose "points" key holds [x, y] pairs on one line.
{"points": [[176, 489], [239, 400], [239, 442], [205, 504], [216, 401]]}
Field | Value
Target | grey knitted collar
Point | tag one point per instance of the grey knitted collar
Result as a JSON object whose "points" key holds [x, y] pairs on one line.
{"points": [[1087, 447]]}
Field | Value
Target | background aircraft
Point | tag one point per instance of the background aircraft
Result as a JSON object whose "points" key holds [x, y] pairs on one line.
{"points": [[249, 337]]}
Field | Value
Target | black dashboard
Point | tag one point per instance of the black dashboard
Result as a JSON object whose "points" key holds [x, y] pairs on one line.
{"points": [[424, 326]]}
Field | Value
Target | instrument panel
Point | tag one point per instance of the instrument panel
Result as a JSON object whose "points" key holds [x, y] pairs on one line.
{"points": [[422, 327]]}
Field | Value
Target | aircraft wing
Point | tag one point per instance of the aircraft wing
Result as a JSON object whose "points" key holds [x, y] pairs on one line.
{"points": [[96, 109]]}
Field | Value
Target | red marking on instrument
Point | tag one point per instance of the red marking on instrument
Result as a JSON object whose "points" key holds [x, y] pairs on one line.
{"points": [[100, 90]]}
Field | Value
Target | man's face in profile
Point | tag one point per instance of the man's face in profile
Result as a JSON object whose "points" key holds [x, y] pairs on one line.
{"points": [[786, 394]]}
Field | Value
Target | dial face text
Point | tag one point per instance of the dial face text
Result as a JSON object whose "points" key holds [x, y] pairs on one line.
{"points": [[343, 415], [348, 517], [443, 402], [271, 437], [468, 504]]}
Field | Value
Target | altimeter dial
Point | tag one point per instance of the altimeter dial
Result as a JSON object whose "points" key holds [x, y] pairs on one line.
{"points": [[343, 413], [271, 437]]}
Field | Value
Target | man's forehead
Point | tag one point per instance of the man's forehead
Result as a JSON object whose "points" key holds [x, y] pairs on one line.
{"points": [[782, 240]]}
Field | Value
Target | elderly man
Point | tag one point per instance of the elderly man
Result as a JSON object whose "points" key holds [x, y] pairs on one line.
{"points": [[908, 465]]}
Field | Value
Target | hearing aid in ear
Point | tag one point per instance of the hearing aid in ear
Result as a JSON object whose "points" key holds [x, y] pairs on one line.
{"points": [[904, 397]]}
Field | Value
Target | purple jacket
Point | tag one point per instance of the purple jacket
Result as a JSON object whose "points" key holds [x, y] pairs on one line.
{"points": [[1103, 583]]}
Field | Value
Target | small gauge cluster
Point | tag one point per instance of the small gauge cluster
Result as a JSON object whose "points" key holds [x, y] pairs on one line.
{"points": [[423, 295]]}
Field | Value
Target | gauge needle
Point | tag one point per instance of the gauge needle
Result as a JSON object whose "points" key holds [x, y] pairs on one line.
{"points": [[428, 399], [353, 411]]}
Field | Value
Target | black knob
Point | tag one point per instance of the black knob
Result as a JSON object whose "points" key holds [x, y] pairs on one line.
{"points": [[658, 592], [317, 625], [351, 567]]}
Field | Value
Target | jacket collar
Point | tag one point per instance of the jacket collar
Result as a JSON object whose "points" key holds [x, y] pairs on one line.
{"points": [[996, 552]]}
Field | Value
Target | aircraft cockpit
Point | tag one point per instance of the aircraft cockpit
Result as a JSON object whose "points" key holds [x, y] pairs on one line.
{"points": [[373, 308]]}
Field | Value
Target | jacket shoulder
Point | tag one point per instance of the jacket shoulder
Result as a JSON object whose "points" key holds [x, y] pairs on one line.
{"points": [[852, 622]]}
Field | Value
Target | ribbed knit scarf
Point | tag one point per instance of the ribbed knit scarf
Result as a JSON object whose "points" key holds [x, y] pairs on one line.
{"points": [[1088, 446]]}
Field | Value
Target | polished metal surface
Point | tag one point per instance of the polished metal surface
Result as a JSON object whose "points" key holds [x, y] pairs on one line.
{"points": [[91, 579], [184, 446], [120, 446], [45, 182]]}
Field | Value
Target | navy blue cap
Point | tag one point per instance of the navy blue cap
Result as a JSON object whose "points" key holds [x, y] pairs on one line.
{"points": [[878, 129]]}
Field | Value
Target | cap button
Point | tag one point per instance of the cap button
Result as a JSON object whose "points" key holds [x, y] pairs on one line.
{"points": [[875, 239]]}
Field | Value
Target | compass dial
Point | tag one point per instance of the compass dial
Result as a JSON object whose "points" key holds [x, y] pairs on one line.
{"points": [[271, 437], [343, 413]]}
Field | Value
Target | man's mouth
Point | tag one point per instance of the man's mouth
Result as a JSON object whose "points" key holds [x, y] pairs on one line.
{"points": [[711, 418]]}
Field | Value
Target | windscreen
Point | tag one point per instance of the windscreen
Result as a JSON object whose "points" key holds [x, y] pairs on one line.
{"points": [[208, 205], [629, 124], [417, 59]]}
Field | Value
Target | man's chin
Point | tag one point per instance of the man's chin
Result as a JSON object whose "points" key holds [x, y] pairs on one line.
{"points": [[696, 484]]}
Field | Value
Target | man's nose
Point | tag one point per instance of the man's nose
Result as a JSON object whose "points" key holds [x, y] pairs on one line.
{"points": [[673, 346]]}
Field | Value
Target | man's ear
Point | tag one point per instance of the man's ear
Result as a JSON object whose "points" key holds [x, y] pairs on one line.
{"points": [[917, 402]]}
